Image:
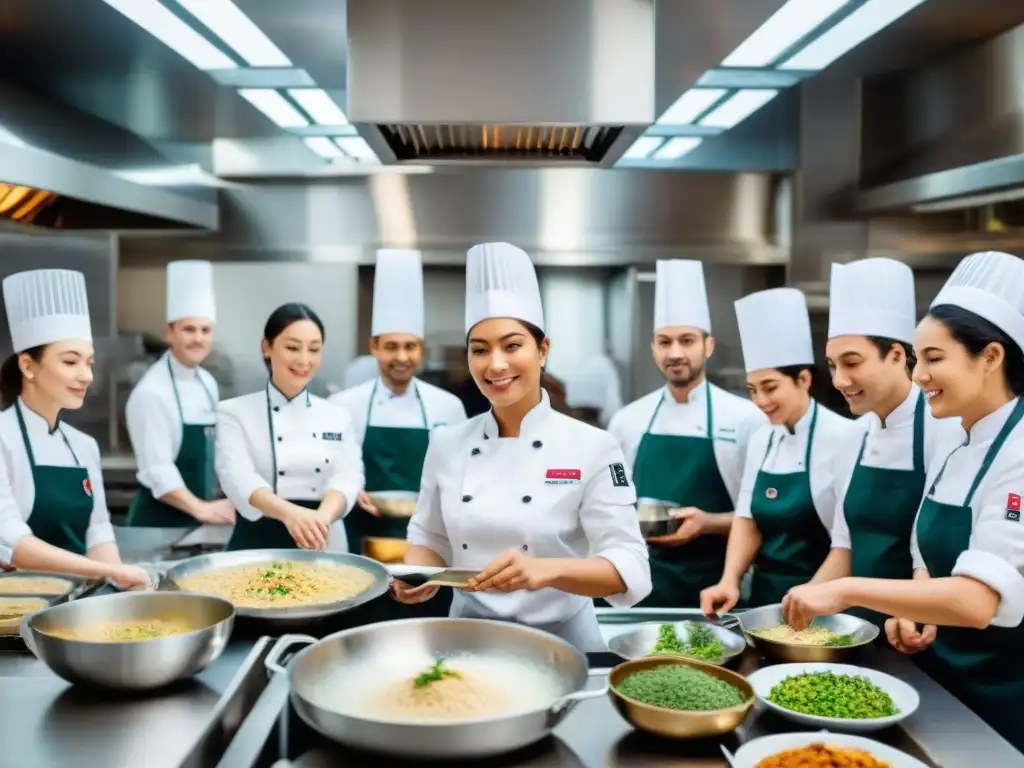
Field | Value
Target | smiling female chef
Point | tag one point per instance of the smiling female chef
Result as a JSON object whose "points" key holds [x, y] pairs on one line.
{"points": [[968, 545], [539, 501], [53, 511], [786, 500], [286, 458]]}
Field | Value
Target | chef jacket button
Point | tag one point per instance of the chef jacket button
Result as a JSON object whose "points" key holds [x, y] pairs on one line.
{"points": [[327, 461], [280, 472], [465, 546], [486, 437], [467, 498], [475, 452], [279, 438], [525, 547], [537, 444], [317, 469], [527, 499], [277, 408]]}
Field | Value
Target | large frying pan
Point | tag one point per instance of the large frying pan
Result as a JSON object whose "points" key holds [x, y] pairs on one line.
{"points": [[217, 560]]}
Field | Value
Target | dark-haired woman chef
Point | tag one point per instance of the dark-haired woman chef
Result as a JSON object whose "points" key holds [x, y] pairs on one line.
{"points": [[968, 545], [53, 510], [541, 503], [286, 458], [784, 511]]}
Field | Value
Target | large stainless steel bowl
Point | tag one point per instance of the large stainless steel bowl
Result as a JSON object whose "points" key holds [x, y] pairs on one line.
{"points": [[345, 652], [135, 665], [768, 616], [218, 560], [637, 643]]}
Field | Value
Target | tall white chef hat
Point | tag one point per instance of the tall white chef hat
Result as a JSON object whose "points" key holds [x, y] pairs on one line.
{"points": [[501, 282], [680, 297], [872, 297], [991, 285], [190, 290], [46, 305], [397, 293], [775, 329]]}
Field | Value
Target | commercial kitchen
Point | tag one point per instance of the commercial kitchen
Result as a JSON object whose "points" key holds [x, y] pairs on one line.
{"points": [[287, 142]]}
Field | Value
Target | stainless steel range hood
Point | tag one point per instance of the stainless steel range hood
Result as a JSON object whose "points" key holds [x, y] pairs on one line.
{"points": [[539, 82], [55, 173]]}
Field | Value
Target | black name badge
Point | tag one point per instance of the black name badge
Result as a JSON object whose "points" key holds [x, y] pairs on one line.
{"points": [[619, 479], [335, 436]]}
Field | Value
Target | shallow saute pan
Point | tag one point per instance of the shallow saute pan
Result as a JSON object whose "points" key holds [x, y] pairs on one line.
{"points": [[863, 633], [317, 675]]}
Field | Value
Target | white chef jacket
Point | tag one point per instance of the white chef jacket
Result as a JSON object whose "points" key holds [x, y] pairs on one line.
{"points": [[155, 425], [393, 410], [314, 446], [888, 447], [995, 554], [735, 422], [788, 454], [18, 491], [558, 490]]}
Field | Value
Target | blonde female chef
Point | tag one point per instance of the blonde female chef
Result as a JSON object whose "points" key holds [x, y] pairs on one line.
{"points": [[541, 503], [968, 544], [53, 511], [286, 458], [786, 500]]}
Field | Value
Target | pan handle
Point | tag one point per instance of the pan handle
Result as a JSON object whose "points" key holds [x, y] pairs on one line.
{"points": [[730, 621], [564, 705], [412, 579], [273, 660]]}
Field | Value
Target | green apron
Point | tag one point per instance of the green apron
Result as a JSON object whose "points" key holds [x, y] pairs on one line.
{"points": [[794, 543], [981, 667], [880, 507], [683, 470], [267, 533], [63, 498], [194, 462], [392, 461]]}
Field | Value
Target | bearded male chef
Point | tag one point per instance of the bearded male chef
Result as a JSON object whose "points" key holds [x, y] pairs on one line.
{"points": [[171, 413], [393, 413], [687, 441]]}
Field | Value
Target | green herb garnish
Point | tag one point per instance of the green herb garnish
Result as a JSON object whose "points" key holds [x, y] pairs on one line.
{"points": [[824, 694], [675, 686], [840, 640], [702, 643], [436, 672]]}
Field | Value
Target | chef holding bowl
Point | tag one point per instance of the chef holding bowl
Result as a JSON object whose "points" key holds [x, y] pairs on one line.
{"points": [[539, 502]]}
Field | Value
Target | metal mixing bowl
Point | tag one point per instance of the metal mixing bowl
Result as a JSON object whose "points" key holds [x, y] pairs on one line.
{"points": [[336, 656], [395, 503], [652, 514], [675, 723], [768, 616], [136, 665], [637, 643]]}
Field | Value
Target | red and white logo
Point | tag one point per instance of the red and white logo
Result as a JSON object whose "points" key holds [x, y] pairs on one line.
{"points": [[1013, 502], [563, 477], [87, 486]]}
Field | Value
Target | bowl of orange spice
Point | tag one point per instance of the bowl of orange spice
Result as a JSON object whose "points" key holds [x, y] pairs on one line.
{"points": [[820, 750]]}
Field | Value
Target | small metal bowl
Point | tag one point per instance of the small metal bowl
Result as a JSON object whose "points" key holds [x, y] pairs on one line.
{"points": [[384, 550], [674, 723], [768, 616], [654, 519], [395, 503], [638, 643]]}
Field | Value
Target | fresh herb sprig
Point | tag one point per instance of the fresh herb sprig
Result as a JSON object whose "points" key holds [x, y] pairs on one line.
{"points": [[701, 643], [436, 672], [825, 694]]}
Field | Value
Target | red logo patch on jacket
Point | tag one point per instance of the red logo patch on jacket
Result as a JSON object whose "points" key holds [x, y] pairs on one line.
{"points": [[1013, 507], [563, 477], [87, 486]]}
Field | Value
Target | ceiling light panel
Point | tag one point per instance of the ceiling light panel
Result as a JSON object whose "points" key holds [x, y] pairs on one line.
{"points": [[642, 147], [738, 108], [863, 23], [319, 105], [786, 27], [275, 106], [691, 105], [324, 147], [357, 148], [174, 33], [677, 147], [226, 21]]}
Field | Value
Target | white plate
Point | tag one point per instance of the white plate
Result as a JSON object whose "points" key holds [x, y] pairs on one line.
{"points": [[751, 753], [903, 696]]}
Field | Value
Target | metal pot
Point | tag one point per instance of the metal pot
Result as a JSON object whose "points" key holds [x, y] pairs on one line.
{"points": [[376, 643], [136, 665], [654, 519], [768, 616]]}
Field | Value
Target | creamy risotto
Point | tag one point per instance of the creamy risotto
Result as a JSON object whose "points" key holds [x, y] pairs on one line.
{"points": [[122, 631], [34, 585], [813, 635], [280, 584]]}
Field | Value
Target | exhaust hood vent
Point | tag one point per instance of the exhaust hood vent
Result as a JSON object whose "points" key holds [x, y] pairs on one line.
{"points": [[467, 142]]}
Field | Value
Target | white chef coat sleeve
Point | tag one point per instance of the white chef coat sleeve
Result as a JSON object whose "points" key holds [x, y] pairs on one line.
{"points": [[234, 465], [915, 550], [100, 531], [151, 432], [608, 518], [346, 399], [12, 525], [618, 428], [348, 473], [426, 526], [842, 463], [751, 423], [755, 454], [995, 554]]}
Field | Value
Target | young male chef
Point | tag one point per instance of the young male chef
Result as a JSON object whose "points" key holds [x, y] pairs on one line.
{"points": [[171, 413], [686, 441], [393, 413]]}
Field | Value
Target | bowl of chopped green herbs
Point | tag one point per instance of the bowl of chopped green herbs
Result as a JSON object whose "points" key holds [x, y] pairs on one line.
{"points": [[678, 697], [839, 697], [695, 639]]}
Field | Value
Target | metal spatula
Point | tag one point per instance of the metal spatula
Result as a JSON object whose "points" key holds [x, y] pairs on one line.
{"points": [[438, 577]]}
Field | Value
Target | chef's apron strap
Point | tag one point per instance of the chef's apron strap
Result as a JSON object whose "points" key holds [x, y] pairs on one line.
{"points": [[919, 434], [24, 436], [993, 450]]}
